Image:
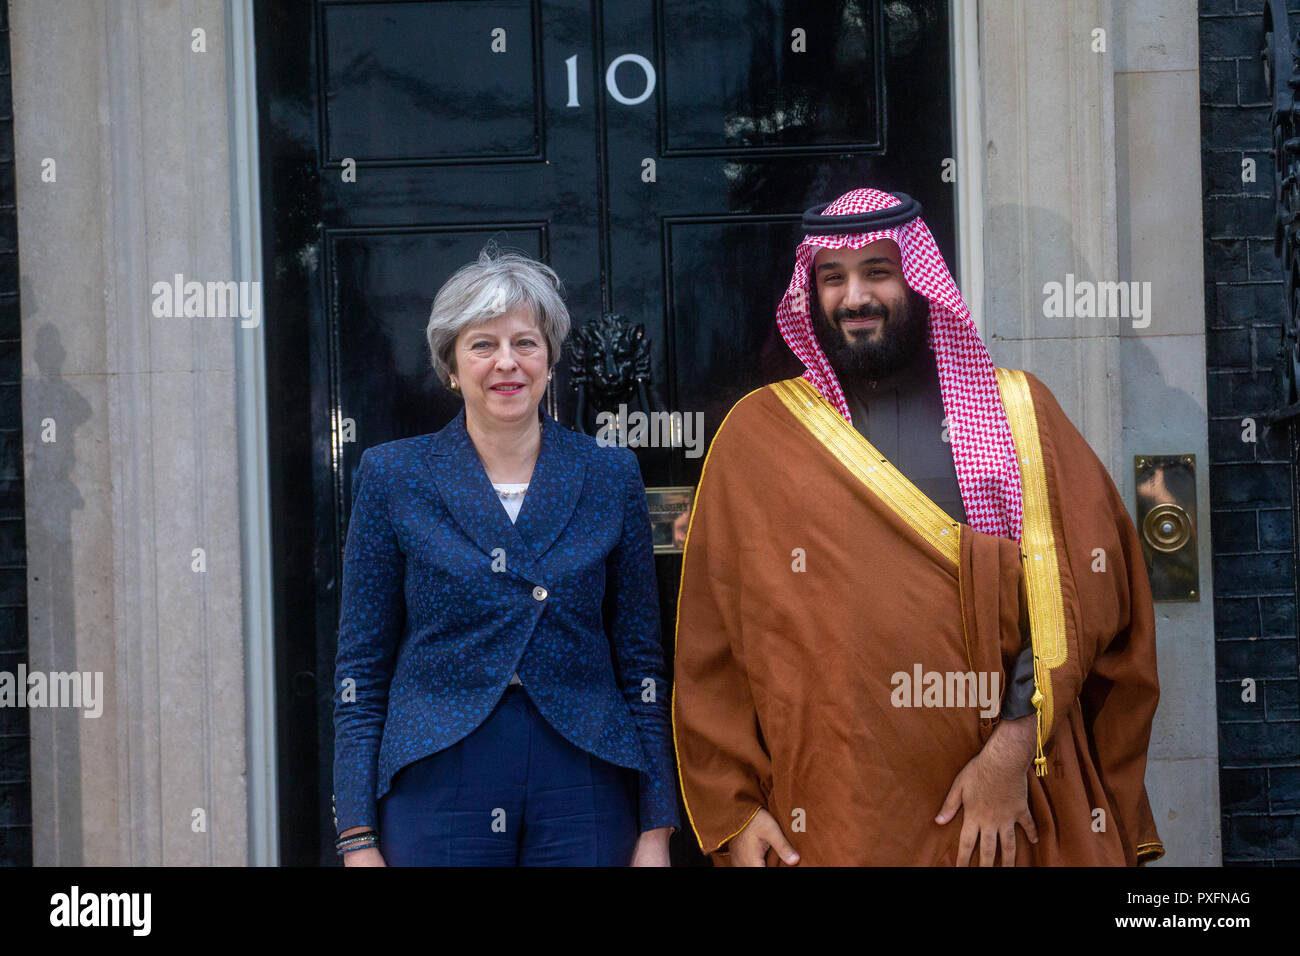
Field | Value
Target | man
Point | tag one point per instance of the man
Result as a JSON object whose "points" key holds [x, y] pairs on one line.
{"points": [[914, 625]]}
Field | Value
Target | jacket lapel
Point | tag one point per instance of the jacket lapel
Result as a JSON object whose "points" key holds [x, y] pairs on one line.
{"points": [[553, 490], [469, 496]]}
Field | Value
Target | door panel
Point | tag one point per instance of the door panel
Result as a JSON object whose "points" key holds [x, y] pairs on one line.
{"points": [[752, 93], [409, 83]]}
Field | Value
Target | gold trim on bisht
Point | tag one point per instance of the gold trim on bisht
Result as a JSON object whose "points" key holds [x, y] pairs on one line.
{"points": [[1037, 552], [677, 626], [865, 463]]}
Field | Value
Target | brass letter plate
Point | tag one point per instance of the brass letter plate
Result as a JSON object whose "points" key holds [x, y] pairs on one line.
{"points": [[670, 513]]}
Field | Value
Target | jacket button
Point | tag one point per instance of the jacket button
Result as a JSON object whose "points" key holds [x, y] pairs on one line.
{"points": [[539, 592]]}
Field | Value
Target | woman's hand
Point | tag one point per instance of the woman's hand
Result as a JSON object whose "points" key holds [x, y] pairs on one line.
{"points": [[370, 856], [652, 848]]}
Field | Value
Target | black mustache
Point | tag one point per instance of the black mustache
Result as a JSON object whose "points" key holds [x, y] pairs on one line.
{"points": [[866, 312]]}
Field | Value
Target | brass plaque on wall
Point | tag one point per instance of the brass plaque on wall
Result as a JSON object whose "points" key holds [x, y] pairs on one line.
{"points": [[670, 514], [1166, 523]]}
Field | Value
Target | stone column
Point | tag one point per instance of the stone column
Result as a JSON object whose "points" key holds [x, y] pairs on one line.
{"points": [[1050, 200], [1092, 169], [144, 467]]}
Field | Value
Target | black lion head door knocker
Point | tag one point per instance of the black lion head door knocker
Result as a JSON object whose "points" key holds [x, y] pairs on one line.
{"points": [[610, 367]]}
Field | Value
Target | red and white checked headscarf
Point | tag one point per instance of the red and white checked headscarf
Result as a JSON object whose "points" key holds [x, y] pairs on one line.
{"points": [[988, 472]]}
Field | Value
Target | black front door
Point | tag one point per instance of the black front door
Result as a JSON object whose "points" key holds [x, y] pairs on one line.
{"points": [[656, 154]]}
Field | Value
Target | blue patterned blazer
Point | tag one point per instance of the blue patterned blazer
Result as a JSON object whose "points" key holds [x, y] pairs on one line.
{"points": [[430, 632]]}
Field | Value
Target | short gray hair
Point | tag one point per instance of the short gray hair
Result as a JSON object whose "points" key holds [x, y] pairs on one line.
{"points": [[482, 290]]}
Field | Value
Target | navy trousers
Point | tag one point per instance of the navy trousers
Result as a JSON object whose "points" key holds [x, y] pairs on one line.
{"points": [[512, 793]]}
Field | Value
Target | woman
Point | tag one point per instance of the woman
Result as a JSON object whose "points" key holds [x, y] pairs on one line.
{"points": [[501, 695]]}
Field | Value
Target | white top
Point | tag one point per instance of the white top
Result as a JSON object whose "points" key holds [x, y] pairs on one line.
{"points": [[513, 503], [512, 506]]}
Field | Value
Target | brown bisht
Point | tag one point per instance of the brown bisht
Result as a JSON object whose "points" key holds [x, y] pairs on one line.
{"points": [[815, 574]]}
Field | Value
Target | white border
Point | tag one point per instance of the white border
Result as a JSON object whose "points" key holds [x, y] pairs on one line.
{"points": [[968, 142], [251, 417]]}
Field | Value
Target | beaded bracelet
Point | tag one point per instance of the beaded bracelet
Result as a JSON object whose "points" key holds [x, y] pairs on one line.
{"points": [[355, 836], [362, 834], [359, 842], [359, 846], [350, 849]]}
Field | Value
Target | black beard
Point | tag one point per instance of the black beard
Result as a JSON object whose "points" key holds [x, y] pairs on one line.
{"points": [[903, 333]]}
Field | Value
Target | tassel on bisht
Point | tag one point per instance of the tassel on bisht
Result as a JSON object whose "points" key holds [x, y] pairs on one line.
{"points": [[1040, 762]]}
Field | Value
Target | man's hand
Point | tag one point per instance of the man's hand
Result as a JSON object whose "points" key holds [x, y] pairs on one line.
{"points": [[652, 848], [749, 846], [994, 789]]}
